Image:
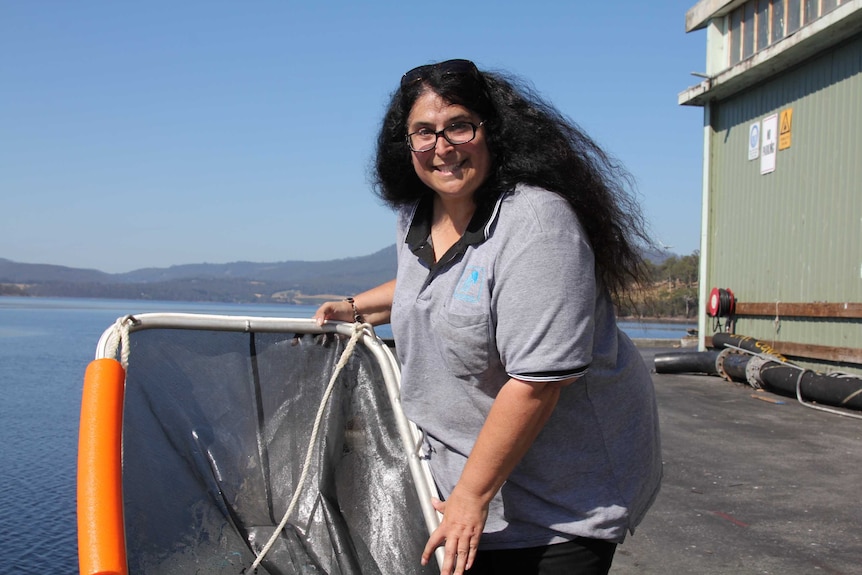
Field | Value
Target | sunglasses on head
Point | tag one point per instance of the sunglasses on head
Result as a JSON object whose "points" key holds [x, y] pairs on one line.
{"points": [[421, 73]]}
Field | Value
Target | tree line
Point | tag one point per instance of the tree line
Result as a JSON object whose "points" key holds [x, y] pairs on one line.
{"points": [[671, 293]]}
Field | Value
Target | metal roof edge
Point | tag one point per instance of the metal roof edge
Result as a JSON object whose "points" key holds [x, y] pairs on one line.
{"points": [[699, 15], [828, 31]]}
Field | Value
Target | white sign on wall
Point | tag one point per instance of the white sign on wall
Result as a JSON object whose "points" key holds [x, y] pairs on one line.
{"points": [[754, 141], [769, 147]]}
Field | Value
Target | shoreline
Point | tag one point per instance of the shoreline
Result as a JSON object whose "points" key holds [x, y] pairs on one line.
{"points": [[675, 319], [316, 299]]}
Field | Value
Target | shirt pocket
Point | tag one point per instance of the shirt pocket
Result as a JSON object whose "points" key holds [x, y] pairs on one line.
{"points": [[463, 342]]}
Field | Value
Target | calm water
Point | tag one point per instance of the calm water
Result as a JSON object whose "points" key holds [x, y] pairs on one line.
{"points": [[45, 345]]}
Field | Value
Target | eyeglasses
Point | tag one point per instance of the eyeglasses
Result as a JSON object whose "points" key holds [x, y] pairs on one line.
{"points": [[425, 139], [420, 73]]}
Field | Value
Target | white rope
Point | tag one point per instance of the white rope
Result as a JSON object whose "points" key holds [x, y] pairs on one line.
{"points": [[345, 356], [776, 324], [802, 372], [119, 338]]}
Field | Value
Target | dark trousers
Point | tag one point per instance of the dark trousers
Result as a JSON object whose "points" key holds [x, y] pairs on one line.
{"points": [[579, 557]]}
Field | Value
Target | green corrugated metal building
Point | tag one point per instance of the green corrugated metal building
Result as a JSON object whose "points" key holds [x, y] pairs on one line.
{"points": [[782, 174]]}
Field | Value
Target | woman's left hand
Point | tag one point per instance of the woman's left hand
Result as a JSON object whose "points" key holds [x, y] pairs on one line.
{"points": [[333, 310], [518, 414], [459, 532]]}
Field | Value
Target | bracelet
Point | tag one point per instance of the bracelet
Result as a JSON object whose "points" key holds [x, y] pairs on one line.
{"points": [[357, 317]]}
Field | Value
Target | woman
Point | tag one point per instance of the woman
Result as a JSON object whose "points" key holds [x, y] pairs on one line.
{"points": [[515, 232]]}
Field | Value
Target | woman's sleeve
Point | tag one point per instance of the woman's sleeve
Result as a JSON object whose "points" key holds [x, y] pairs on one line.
{"points": [[544, 303]]}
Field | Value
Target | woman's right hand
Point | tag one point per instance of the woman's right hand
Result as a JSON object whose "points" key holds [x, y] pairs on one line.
{"points": [[334, 310]]}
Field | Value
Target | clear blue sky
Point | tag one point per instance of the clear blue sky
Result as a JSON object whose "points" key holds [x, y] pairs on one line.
{"points": [[141, 134]]}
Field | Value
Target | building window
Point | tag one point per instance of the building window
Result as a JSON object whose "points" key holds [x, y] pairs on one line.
{"points": [[735, 36], [827, 6], [762, 24], [777, 20], [810, 11], [794, 16], [748, 30], [757, 24]]}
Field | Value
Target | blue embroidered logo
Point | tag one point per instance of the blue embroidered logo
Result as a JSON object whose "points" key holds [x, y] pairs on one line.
{"points": [[470, 285]]}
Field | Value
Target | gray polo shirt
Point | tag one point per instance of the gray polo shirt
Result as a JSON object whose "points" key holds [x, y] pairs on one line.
{"points": [[517, 297]]}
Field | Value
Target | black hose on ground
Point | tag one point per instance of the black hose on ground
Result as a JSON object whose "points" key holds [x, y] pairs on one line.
{"points": [[778, 376], [686, 362], [819, 387], [734, 366], [706, 362], [722, 340]]}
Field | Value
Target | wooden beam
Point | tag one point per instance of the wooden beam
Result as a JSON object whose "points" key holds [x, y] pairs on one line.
{"points": [[822, 352], [811, 351], [847, 310]]}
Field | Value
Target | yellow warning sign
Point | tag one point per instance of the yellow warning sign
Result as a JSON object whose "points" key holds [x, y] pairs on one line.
{"points": [[784, 128]]}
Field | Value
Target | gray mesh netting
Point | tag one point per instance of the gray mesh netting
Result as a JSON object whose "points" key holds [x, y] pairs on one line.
{"points": [[216, 428]]}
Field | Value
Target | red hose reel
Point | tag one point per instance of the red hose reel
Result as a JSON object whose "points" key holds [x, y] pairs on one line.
{"points": [[721, 303]]}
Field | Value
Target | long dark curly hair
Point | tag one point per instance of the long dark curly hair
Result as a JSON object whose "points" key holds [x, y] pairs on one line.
{"points": [[530, 142]]}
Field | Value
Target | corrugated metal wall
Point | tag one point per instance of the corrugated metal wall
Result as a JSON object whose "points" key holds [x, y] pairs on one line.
{"points": [[794, 235]]}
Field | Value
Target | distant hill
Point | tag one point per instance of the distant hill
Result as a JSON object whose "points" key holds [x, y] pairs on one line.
{"points": [[299, 282], [14, 272], [290, 282], [657, 256]]}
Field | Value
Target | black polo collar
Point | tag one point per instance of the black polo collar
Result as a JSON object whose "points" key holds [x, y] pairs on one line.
{"points": [[478, 230]]}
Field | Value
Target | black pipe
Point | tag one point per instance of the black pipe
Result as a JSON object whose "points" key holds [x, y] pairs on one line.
{"points": [[778, 376], [819, 387], [722, 340], [686, 362], [783, 377], [734, 365], [706, 362]]}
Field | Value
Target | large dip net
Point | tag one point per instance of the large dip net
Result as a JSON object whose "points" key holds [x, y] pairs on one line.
{"points": [[227, 424]]}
